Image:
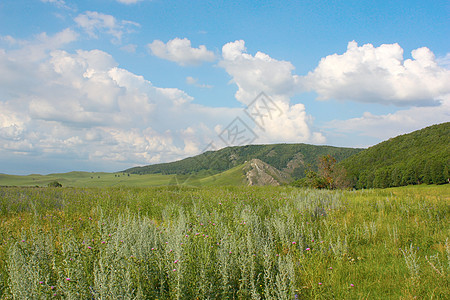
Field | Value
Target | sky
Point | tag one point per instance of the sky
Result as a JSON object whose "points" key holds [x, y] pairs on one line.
{"points": [[104, 85]]}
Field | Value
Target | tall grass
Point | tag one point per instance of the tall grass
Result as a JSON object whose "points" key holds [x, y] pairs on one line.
{"points": [[224, 243]]}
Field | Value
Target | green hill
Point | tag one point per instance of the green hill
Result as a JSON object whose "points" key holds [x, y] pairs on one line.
{"points": [[292, 159], [422, 156]]}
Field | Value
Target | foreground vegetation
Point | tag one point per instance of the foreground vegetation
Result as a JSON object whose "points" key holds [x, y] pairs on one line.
{"points": [[224, 242]]}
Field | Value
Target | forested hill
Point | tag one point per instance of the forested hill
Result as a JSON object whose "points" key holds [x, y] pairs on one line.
{"points": [[422, 156], [290, 158]]}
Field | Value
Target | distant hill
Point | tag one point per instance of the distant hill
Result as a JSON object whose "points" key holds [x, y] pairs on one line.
{"points": [[253, 172], [422, 156], [290, 159]]}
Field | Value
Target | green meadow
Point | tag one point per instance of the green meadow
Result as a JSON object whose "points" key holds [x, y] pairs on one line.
{"points": [[178, 242], [87, 179], [234, 176]]}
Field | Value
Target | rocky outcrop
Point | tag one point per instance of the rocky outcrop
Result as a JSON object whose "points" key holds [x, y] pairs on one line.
{"points": [[258, 172]]}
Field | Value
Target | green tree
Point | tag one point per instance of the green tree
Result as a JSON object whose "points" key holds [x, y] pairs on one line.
{"points": [[54, 184]]}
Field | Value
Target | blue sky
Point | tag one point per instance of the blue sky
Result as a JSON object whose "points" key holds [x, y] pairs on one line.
{"points": [[103, 85]]}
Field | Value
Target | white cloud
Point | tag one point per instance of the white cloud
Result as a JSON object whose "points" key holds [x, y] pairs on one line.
{"points": [[383, 127], [380, 75], [39, 47], [94, 22], [180, 51], [82, 106], [261, 73], [253, 74]]}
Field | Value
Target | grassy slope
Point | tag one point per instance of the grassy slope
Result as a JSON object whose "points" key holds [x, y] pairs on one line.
{"points": [[420, 156], [276, 155]]}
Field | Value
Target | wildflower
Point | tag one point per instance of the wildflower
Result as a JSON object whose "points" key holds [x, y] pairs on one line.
{"points": [[153, 249], [174, 270], [41, 282], [176, 261], [320, 283], [330, 268], [103, 242], [186, 235], [89, 247], [67, 279], [52, 287], [293, 243], [54, 294], [307, 249], [352, 285]]}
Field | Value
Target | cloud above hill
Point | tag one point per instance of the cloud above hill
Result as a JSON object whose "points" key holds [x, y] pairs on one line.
{"points": [[258, 73], [83, 105]]}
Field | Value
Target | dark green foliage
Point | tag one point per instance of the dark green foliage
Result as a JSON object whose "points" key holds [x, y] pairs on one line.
{"points": [[422, 156], [329, 175], [54, 184], [278, 156]]}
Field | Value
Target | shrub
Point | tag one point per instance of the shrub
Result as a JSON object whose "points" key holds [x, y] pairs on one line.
{"points": [[54, 184]]}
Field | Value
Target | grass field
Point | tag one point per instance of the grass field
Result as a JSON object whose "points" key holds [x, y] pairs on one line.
{"points": [[87, 179], [224, 242], [233, 176]]}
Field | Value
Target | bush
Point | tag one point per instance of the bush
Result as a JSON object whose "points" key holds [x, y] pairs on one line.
{"points": [[54, 184]]}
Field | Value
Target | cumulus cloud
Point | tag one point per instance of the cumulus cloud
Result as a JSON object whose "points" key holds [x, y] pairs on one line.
{"points": [[81, 105], [253, 74], [94, 23], [258, 73], [380, 75], [180, 51]]}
